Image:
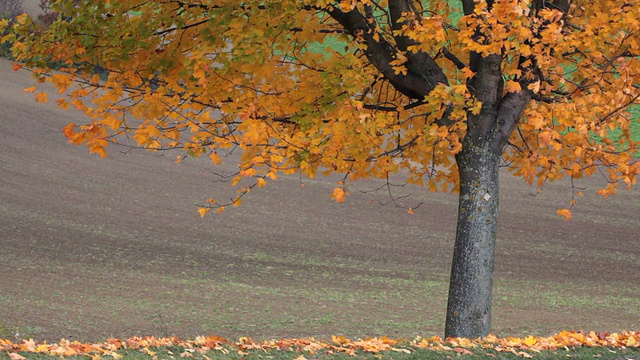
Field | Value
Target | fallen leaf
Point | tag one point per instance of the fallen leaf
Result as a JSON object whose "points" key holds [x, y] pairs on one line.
{"points": [[339, 339], [463, 351]]}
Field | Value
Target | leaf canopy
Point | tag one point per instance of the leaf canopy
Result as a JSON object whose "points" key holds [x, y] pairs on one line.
{"points": [[316, 85]]}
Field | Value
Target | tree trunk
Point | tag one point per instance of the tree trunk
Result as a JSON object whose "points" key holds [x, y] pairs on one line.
{"points": [[470, 289]]}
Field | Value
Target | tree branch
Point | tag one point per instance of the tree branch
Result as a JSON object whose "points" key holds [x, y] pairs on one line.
{"points": [[423, 73], [453, 58], [510, 112]]}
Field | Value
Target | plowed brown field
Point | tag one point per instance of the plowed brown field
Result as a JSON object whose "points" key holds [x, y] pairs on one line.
{"points": [[92, 248]]}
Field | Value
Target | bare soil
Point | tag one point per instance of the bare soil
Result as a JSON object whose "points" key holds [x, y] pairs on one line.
{"points": [[92, 248]]}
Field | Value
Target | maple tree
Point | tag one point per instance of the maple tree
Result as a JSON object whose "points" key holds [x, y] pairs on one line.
{"points": [[443, 93]]}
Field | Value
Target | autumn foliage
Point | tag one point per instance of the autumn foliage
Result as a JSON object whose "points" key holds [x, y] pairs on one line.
{"points": [[286, 84], [523, 347]]}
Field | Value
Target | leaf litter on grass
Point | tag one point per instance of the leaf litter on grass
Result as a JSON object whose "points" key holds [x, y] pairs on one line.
{"points": [[526, 347]]}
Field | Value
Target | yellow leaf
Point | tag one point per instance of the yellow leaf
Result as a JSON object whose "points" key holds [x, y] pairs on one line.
{"points": [[459, 89], [339, 339], [433, 186], [215, 159], [248, 172], [261, 182], [399, 60], [203, 211], [632, 342], [30, 89], [530, 341], [400, 70]]}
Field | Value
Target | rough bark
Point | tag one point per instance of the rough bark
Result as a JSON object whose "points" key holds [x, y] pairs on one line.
{"points": [[470, 290]]}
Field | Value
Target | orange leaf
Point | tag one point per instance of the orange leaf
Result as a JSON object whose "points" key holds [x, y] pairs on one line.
{"points": [[468, 73], [63, 104], [535, 87], [513, 86], [338, 194], [69, 130], [544, 138], [30, 89], [339, 339], [42, 97], [463, 351], [566, 213], [203, 211], [215, 159]]}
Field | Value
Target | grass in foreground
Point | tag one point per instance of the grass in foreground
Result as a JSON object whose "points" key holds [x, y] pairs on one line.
{"points": [[577, 345]]}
